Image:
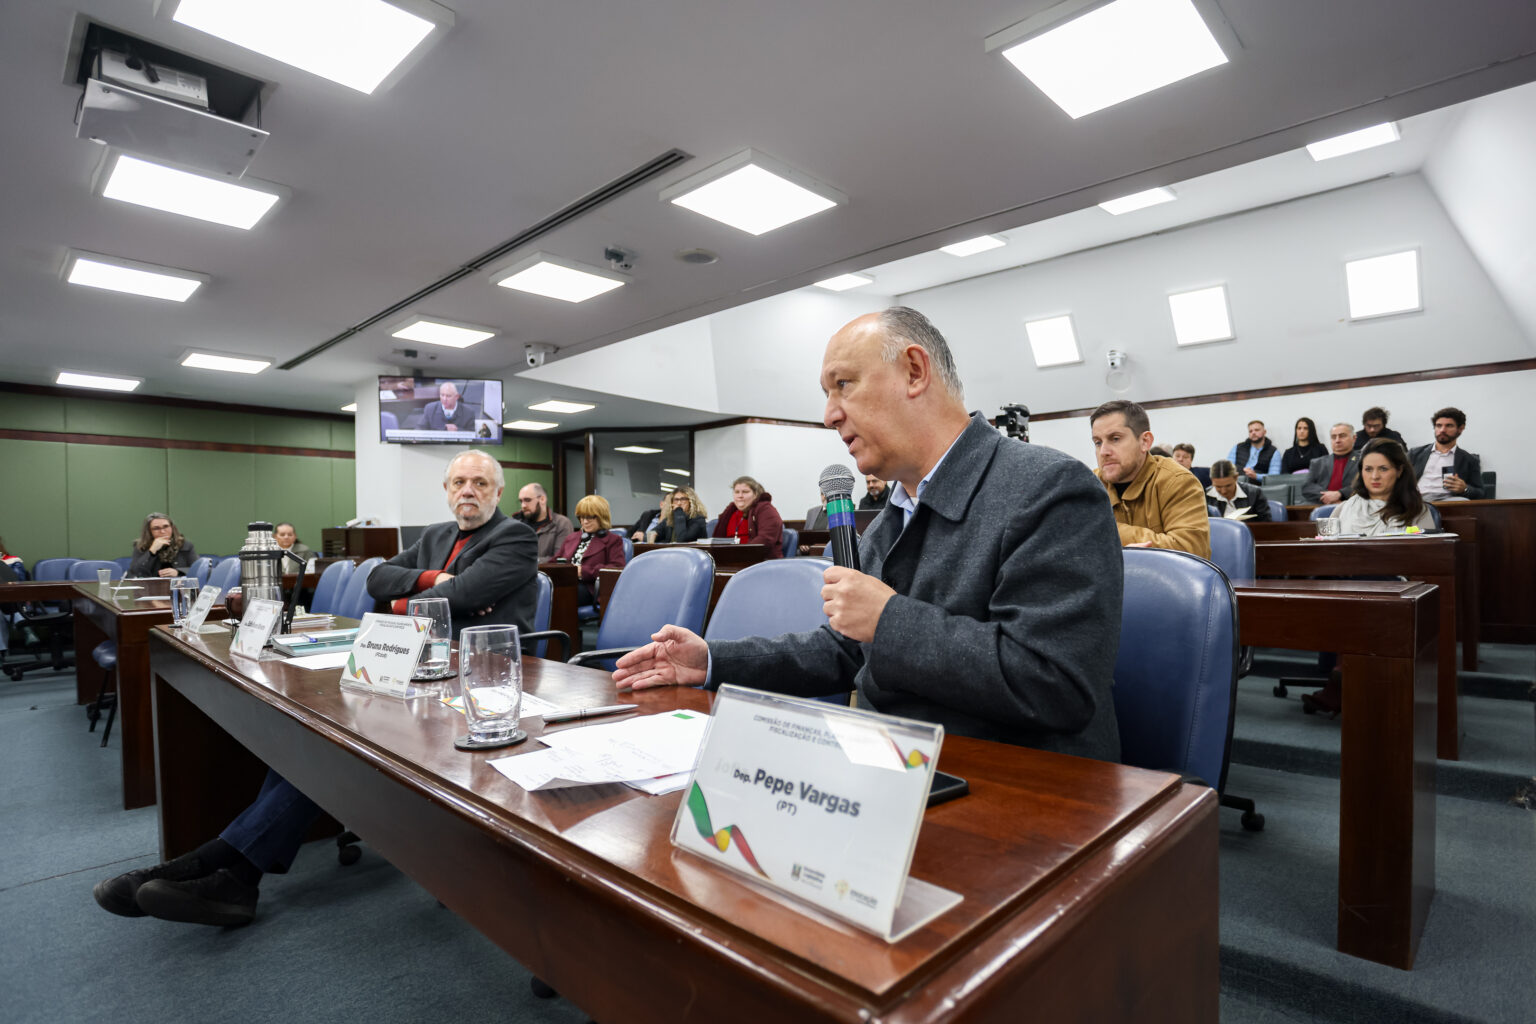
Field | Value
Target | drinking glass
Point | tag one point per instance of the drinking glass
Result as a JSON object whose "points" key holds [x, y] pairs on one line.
{"points": [[104, 577], [1328, 527], [183, 596], [491, 679], [434, 660]]}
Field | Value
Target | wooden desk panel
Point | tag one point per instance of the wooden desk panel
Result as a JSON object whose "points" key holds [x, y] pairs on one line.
{"points": [[37, 590], [1070, 869], [1506, 536], [563, 576], [736, 555]]}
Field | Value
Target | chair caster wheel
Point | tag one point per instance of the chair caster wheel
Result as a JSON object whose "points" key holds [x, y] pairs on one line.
{"points": [[1252, 821], [1280, 690], [542, 989], [348, 855]]}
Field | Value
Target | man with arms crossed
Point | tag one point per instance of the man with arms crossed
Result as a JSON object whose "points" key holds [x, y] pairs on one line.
{"points": [[1156, 502], [483, 563], [1332, 476], [991, 592]]}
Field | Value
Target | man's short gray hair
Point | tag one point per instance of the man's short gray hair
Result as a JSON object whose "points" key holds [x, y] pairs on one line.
{"points": [[905, 326], [501, 477], [1347, 426]]}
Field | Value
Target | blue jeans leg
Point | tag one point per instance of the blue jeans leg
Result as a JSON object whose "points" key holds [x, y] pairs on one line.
{"points": [[269, 831]]}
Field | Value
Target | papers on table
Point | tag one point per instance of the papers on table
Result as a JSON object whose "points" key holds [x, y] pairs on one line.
{"points": [[328, 659], [653, 753]]}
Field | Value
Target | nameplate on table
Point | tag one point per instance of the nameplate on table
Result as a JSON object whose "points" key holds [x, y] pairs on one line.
{"points": [[206, 598], [818, 802], [384, 655], [256, 625]]}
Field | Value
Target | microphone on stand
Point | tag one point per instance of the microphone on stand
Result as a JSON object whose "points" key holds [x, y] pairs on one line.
{"points": [[837, 486]]}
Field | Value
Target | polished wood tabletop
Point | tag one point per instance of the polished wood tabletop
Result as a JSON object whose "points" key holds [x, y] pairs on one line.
{"points": [[1070, 869], [23, 591]]}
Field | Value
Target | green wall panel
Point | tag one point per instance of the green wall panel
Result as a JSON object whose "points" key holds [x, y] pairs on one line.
{"points": [[343, 492], [534, 449], [209, 425], [517, 479], [212, 495], [124, 419], [297, 489], [291, 432], [109, 492], [32, 522], [343, 436], [31, 412]]}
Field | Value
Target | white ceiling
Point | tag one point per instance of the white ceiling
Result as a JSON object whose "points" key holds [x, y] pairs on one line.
{"points": [[522, 109]]}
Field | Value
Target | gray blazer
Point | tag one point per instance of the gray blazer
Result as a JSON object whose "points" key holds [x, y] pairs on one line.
{"points": [[1007, 619], [1321, 471], [495, 570]]}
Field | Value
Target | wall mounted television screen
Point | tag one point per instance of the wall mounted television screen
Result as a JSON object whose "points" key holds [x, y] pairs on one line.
{"points": [[439, 410]]}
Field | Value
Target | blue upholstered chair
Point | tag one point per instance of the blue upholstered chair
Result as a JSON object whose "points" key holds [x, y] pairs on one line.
{"points": [[125, 562], [709, 526], [105, 657], [84, 570], [1176, 674], [201, 569], [791, 542], [1321, 512], [53, 624], [541, 634], [225, 575], [1232, 548], [667, 586], [629, 549], [1277, 511], [355, 599], [770, 598], [330, 587], [54, 568]]}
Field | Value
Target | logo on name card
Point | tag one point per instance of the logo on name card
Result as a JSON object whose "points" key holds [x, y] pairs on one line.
{"points": [[720, 838]]}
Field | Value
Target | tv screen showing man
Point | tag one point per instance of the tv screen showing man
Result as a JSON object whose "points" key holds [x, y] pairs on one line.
{"points": [[439, 410]]}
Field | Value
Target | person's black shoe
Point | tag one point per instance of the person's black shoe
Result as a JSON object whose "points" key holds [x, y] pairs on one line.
{"points": [[116, 895], [218, 899]]}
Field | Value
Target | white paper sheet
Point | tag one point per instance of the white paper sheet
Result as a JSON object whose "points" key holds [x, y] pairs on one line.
{"points": [[327, 659], [642, 750]]}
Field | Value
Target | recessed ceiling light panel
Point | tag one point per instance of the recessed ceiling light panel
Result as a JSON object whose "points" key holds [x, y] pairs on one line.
{"points": [[553, 405], [129, 179], [843, 282], [1138, 201], [753, 192], [119, 275], [1052, 341], [530, 425], [447, 333], [349, 407], [71, 379], [972, 246], [1383, 285], [638, 449], [1354, 142], [1112, 53], [228, 364], [1201, 316], [557, 278]]}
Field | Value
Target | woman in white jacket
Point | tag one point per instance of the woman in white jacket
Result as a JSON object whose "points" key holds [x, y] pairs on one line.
{"points": [[1386, 496]]}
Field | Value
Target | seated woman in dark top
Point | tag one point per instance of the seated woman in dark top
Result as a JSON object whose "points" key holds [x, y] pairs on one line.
{"points": [[752, 519], [683, 518], [161, 550], [1305, 447], [595, 547]]}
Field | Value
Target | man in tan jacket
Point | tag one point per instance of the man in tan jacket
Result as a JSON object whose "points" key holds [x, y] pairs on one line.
{"points": [[1157, 502]]}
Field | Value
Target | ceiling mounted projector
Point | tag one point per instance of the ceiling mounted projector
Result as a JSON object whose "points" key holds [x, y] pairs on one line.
{"points": [[163, 129]]}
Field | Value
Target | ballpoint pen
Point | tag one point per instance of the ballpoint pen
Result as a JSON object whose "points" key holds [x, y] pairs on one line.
{"points": [[580, 713]]}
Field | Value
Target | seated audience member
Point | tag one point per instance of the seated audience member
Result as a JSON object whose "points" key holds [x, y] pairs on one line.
{"points": [[1332, 476], [1184, 455], [752, 519], [288, 539], [161, 550], [482, 560], [1446, 470], [595, 547], [1232, 498], [1375, 425], [1305, 447], [1385, 498], [878, 492], [1255, 455], [14, 561], [816, 515], [550, 527], [685, 520], [1157, 504], [647, 520], [1158, 449]]}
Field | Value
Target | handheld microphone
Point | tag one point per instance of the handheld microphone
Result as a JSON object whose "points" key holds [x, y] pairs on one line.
{"points": [[836, 485]]}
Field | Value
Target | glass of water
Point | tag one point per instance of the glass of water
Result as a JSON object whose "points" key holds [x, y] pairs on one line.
{"points": [[491, 680], [434, 660], [183, 596], [1328, 526]]}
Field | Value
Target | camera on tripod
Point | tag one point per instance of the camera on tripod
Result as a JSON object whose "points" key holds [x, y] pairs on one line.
{"points": [[1015, 422]]}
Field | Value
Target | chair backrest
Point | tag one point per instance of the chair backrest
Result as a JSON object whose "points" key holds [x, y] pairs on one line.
{"points": [[1322, 512], [1232, 548], [355, 599], [201, 568], [125, 562], [1436, 514], [1176, 674], [542, 607], [1277, 511], [791, 542], [85, 570], [661, 587], [388, 420], [709, 526], [629, 549], [53, 568], [328, 589], [770, 599], [225, 575]]}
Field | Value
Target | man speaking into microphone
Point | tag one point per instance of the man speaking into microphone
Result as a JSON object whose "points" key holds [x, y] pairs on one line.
{"points": [[990, 592]]}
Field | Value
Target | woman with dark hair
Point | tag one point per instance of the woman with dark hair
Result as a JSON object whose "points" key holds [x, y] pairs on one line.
{"points": [[752, 519], [1386, 495], [592, 548], [1304, 448], [683, 518], [161, 550]]}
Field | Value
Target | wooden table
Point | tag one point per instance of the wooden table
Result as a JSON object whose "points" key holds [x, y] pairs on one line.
{"points": [[563, 576], [1386, 634], [1429, 559], [38, 590], [738, 555], [1089, 888]]}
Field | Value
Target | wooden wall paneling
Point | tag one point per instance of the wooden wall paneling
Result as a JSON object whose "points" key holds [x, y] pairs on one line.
{"points": [[296, 489], [108, 492]]}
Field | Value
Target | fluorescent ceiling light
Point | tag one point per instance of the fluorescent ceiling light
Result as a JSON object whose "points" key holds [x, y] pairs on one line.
{"points": [[91, 380], [679, 472], [530, 425], [639, 449], [1201, 316], [554, 405], [557, 278], [669, 487], [438, 332], [1353, 142], [1383, 285], [972, 246], [1138, 201], [843, 282], [158, 187], [355, 42], [753, 192], [131, 276], [349, 408], [1052, 341], [229, 364], [1115, 52]]}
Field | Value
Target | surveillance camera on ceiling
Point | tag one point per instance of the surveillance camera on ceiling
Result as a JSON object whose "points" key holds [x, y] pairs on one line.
{"points": [[536, 354], [619, 259]]}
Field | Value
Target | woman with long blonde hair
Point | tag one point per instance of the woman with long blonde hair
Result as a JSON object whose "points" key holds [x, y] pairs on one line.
{"points": [[683, 518]]}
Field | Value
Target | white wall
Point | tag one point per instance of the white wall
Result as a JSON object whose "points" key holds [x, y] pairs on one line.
{"points": [[674, 366], [397, 484], [786, 460]]}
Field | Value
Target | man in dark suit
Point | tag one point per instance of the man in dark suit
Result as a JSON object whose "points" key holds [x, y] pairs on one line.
{"points": [[484, 563], [448, 413], [1445, 469], [991, 605], [1331, 476]]}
